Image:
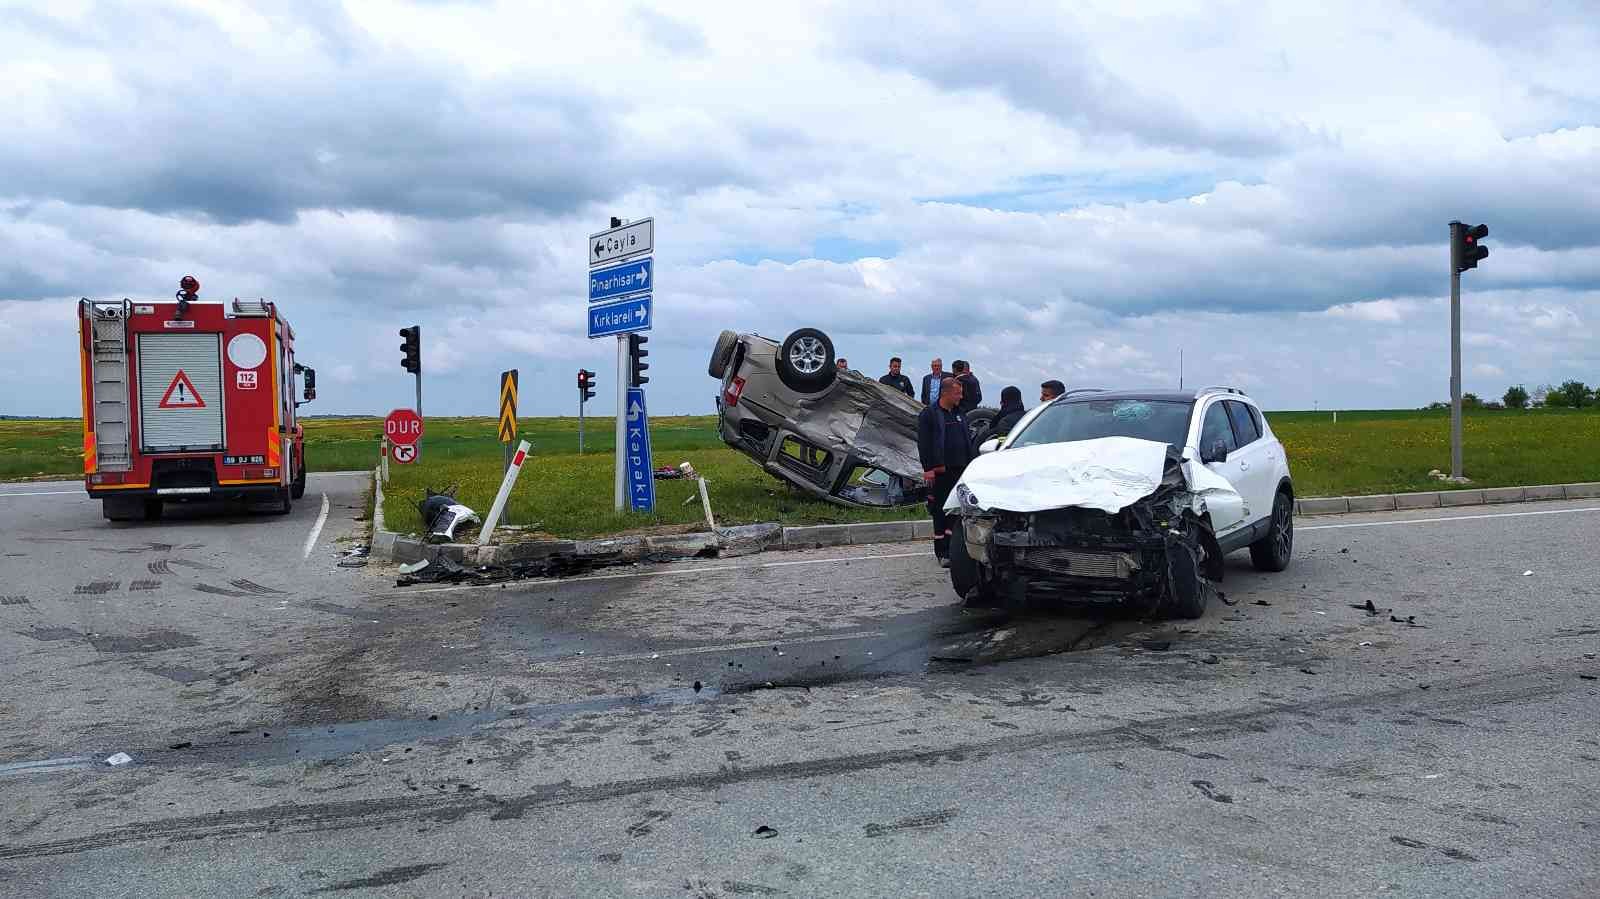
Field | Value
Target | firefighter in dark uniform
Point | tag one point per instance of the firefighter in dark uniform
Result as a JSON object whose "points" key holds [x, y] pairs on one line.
{"points": [[945, 447]]}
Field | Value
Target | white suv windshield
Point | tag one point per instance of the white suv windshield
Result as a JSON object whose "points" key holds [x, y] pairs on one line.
{"points": [[1164, 421]]}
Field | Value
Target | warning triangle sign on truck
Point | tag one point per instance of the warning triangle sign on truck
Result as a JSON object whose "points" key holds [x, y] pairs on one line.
{"points": [[181, 394]]}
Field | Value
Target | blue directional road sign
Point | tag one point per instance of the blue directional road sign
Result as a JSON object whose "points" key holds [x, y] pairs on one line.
{"points": [[621, 317], [641, 475], [622, 280]]}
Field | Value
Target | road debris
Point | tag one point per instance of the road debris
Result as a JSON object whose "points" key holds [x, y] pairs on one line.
{"points": [[1367, 607], [442, 515], [765, 833], [1528, 573], [1211, 659], [1589, 677], [1408, 621], [119, 759], [413, 567], [1156, 645], [1261, 602]]}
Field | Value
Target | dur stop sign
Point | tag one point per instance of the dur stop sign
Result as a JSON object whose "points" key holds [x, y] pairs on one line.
{"points": [[403, 427]]}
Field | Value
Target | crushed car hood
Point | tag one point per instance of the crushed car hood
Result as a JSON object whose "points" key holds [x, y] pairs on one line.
{"points": [[1108, 473]]}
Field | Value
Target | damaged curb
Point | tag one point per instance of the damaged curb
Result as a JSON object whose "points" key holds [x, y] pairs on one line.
{"points": [[749, 539]]}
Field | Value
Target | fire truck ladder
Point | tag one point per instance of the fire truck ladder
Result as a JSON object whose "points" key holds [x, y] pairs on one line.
{"points": [[108, 320]]}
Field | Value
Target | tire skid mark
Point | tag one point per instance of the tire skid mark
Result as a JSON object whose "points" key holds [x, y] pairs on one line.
{"points": [[1468, 693]]}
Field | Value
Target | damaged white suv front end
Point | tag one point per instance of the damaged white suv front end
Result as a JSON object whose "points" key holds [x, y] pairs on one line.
{"points": [[1124, 519]]}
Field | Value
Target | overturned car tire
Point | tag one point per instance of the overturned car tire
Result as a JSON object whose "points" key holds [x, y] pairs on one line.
{"points": [[980, 422], [806, 360], [722, 354]]}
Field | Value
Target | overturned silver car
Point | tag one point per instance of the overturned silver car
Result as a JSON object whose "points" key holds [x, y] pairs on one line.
{"points": [[835, 435], [1118, 519]]}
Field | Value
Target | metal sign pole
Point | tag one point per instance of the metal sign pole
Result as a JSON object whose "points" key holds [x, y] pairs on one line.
{"points": [[1455, 355], [620, 454], [580, 420]]}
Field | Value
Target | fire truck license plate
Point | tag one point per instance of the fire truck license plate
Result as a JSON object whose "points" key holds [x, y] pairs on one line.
{"points": [[244, 460], [245, 380]]}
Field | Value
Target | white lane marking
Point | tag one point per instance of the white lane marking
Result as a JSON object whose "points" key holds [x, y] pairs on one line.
{"points": [[316, 529], [708, 569], [716, 647], [48, 493], [1380, 524]]}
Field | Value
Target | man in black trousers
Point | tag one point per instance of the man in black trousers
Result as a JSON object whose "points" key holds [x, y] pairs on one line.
{"points": [[945, 447]]}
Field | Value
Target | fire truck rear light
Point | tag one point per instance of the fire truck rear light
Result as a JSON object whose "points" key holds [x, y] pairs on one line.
{"points": [[735, 389], [97, 479], [114, 477]]}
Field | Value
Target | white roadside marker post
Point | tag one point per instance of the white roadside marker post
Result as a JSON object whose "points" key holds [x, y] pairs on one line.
{"points": [[383, 456], [500, 498], [705, 500]]}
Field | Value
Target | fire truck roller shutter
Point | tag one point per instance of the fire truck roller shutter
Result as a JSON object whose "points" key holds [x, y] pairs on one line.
{"points": [[180, 392]]}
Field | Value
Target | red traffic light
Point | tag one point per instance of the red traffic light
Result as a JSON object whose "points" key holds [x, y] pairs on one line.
{"points": [[1465, 251]]}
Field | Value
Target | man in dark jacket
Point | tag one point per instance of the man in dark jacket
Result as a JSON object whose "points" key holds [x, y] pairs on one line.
{"points": [[931, 382], [945, 447], [895, 379], [1010, 412], [971, 392]]}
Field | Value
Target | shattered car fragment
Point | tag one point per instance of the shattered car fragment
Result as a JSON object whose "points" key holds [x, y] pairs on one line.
{"points": [[1105, 498], [836, 435], [442, 515]]}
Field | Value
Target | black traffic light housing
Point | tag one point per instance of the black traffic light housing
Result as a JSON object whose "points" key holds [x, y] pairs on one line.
{"points": [[585, 385], [411, 350], [1466, 250], [636, 363]]}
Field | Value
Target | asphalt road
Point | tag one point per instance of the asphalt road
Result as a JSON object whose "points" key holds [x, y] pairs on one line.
{"points": [[298, 728]]}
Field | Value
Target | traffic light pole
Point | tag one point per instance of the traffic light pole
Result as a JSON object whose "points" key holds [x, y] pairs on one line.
{"points": [[1455, 370], [621, 493], [580, 420]]}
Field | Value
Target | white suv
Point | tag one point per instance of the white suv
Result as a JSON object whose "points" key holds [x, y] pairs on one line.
{"points": [[1099, 492]]}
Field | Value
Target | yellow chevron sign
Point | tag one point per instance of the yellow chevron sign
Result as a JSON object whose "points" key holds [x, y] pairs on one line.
{"points": [[508, 406]]}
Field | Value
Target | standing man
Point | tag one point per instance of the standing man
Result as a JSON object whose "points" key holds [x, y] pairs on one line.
{"points": [[1011, 412], [931, 381], [971, 392], [945, 447], [1049, 390], [895, 379]]}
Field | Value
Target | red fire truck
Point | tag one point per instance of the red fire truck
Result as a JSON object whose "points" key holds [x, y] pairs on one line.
{"points": [[184, 400]]}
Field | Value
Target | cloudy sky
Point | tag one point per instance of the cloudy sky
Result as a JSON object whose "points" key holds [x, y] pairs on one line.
{"points": [[1073, 191]]}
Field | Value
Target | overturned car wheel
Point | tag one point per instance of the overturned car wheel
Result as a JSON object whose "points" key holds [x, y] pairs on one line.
{"points": [[805, 361], [722, 354], [980, 422]]}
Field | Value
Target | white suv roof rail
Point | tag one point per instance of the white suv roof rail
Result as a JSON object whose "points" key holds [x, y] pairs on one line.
{"points": [[1218, 389], [1082, 390]]}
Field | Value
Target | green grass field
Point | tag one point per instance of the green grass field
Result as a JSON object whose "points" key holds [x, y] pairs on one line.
{"points": [[570, 495]]}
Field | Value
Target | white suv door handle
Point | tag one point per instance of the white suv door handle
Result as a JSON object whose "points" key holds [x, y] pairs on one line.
{"points": [[1245, 466]]}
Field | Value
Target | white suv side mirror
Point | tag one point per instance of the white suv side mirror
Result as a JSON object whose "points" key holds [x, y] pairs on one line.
{"points": [[989, 446]]}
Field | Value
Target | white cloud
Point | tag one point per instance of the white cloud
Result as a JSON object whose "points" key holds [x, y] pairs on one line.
{"points": [[1072, 191]]}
